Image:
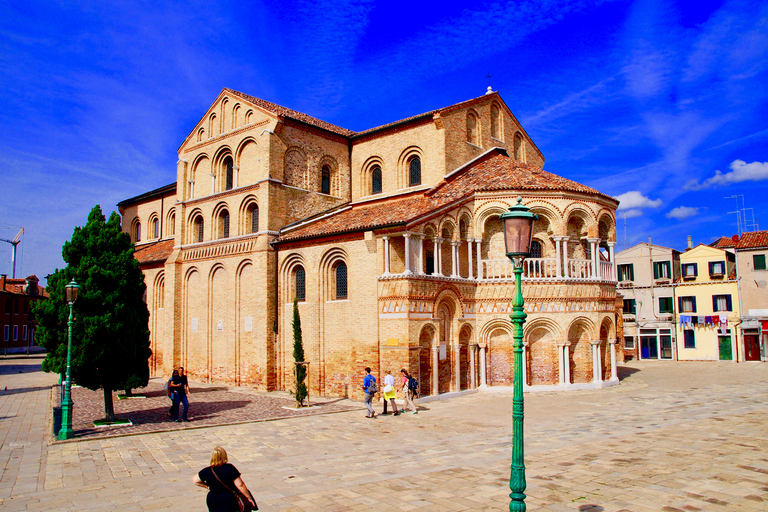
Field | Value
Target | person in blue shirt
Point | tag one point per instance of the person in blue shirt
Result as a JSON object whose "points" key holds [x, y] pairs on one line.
{"points": [[368, 382]]}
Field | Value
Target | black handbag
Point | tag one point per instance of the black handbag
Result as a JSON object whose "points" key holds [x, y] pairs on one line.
{"points": [[242, 502]]}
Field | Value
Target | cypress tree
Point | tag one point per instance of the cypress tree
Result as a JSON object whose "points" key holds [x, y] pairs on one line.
{"points": [[298, 356]]}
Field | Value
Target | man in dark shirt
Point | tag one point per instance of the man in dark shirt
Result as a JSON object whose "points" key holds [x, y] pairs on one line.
{"points": [[180, 385]]}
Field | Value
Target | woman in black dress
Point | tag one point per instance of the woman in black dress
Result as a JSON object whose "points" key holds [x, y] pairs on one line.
{"points": [[221, 497]]}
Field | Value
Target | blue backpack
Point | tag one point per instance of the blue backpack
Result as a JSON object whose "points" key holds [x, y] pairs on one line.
{"points": [[413, 385]]}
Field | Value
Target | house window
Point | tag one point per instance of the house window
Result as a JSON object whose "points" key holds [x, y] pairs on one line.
{"points": [[721, 303], [7, 306], [156, 228], [376, 180], [535, 249], [518, 146], [665, 305], [15, 306], [689, 339], [137, 233], [6, 332], [253, 212], [24, 333], [716, 268], [414, 171], [172, 222], [15, 332], [690, 270], [199, 225], [662, 270], [629, 342], [25, 308], [629, 307], [224, 224], [301, 286], [627, 272], [687, 304], [230, 174], [341, 281], [758, 261], [325, 180]]}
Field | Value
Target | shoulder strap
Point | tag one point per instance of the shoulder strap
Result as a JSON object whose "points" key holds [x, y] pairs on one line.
{"points": [[222, 483]]}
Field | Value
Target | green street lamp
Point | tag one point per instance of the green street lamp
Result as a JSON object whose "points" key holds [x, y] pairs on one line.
{"points": [[66, 431], [518, 231]]}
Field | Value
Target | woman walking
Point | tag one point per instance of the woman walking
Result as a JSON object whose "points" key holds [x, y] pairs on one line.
{"points": [[222, 480], [407, 392]]}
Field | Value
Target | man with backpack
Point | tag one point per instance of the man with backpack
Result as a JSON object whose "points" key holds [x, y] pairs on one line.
{"points": [[370, 388], [409, 387]]}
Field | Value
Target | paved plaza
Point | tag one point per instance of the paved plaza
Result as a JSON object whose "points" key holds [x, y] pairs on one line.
{"points": [[671, 437]]}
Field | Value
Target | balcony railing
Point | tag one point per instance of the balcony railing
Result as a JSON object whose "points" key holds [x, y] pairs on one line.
{"points": [[545, 269]]}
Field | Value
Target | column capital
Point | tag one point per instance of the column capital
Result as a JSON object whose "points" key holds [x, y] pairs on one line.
{"points": [[407, 235], [595, 342], [236, 167], [612, 341], [455, 243], [593, 240], [563, 343], [385, 237], [610, 244], [438, 240], [559, 238]]}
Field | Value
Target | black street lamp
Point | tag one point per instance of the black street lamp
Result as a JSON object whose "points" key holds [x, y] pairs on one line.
{"points": [[518, 232], [66, 431]]}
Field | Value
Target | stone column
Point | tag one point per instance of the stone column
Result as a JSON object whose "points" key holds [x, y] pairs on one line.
{"points": [[596, 377], [435, 370], [472, 380], [438, 256], [483, 380], [191, 189], [479, 265], [469, 258], [567, 361], [566, 272], [557, 240], [611, 245], [455, 259], [614, 370], [236, 177], [421, 269], [407, 237], [386, 255], [457, 367], [561, 360], [213, 183], [593, 253]]}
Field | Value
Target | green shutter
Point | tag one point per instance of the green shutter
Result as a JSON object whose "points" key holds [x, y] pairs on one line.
{"points": [[631, 272], [759, 261], [655, 270]]}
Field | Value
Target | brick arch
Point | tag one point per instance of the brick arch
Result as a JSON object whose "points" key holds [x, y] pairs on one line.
{"points": [[465, 340], [201, 170], [287, 274], [541, 336], [366, 175], [333, 166], [220, 324], [580, 333], [427, 336], [403, 174], [195, 321], [329, 261], [295, 168], [221, 221], [249, 207], [247, 162]]}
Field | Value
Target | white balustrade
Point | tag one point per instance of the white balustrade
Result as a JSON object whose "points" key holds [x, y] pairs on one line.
{"points": [[580, 269], [606, 271], [543, 269]]}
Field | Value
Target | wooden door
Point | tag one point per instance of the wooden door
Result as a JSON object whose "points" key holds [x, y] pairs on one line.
{"points": [[751, 347]]}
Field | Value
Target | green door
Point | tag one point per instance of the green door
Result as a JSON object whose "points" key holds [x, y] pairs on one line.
{"points": [[725, 348]]}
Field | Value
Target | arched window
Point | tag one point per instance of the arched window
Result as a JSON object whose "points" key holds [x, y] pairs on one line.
{"points": [[224, 224], [414, 171], [473, 135], [199, 225], [518, 146], [495, 122], [155, 228], [253, 214], [376, 180], [301, 287], [172, 223], [535, 249], [325, 180], [229, 173], [137, 232], [341, 281]]}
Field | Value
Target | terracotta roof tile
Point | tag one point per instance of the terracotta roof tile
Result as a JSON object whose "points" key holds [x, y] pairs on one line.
{"points": [[293, 114], [496, 171], [753, 240], [723, 243], [156, 252]]}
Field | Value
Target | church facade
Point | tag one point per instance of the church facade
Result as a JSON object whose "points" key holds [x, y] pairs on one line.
{"points": [[390, 240]]}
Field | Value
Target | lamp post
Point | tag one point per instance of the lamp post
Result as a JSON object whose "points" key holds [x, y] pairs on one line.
{"points": [[518, 230], [66, 431]]}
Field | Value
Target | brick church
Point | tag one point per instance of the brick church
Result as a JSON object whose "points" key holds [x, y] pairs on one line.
{"points": [[391, 241]]}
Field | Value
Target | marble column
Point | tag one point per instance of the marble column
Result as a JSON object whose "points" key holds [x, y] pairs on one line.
{"points": [[561, 363], [407, 238], [566, 272], [614, 370], [457, 367], [469, 258], [558, 262], [594, 258], [236, 177], [213, 183], [483, 380], [455, 259], [596, 377], [438, 256], [435, 370], [472, 371], [611, 246], [191, 189], [421, 269], [386, 255], [479, 264]]}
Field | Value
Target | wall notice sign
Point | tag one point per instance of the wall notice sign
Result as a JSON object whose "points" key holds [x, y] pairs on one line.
{"points": [[248, 324], [220, 325], [443, 352], [193, 325]]}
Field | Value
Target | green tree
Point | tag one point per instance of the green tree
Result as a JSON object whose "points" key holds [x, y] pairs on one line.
{"points": [[298, 356], [110, 335]]}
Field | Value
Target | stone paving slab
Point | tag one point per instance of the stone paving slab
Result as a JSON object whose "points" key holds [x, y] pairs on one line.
{"points": [[672, 437]]}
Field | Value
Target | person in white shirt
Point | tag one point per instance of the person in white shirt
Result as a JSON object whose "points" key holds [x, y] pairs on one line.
{"points": [[389, 393]]}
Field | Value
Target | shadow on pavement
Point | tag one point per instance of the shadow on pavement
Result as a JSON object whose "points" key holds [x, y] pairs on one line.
{"points": [[625, 371]]}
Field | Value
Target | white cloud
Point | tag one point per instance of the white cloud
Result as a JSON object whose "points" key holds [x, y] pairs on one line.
{"points": [[682, 212], [740, 171], [634, 200], [628, 214]]}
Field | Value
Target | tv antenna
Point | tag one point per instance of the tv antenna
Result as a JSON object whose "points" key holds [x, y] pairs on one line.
{"points": [[737, 212], [14, 242]]}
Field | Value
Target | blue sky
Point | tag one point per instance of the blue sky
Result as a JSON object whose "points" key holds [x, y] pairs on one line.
{"points": [[661, 103]]}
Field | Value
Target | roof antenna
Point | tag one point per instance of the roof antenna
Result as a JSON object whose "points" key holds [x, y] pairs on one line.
{"points": [[489, 91]]}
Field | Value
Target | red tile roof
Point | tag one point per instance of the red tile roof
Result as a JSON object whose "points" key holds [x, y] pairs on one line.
{"points": [[753, 240], [293, 114], [17, 286], [156, 252], [494, 171], [723, 243]]}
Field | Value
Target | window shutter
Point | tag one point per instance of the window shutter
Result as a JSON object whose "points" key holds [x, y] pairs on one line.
{"points": [[631, 272], [714, 303], [655, 270], [680, 304], [728, 304], [711, 267], [693, 300]]}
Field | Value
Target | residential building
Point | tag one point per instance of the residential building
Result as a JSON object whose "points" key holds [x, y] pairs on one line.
{"points": [[708, 314], [646, 275], [16, 319], [389, 239]]}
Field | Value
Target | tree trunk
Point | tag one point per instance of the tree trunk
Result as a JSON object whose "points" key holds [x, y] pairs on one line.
{"points": [[109, 409], [128, 392]]}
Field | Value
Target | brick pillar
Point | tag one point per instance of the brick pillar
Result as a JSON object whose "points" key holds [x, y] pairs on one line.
{"points": [[614, 370]]}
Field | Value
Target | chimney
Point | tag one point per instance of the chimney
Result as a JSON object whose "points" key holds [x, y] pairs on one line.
{"points": [[690, 242], [2, 281]]}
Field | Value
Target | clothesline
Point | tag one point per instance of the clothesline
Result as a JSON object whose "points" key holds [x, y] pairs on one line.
{"points": [[714, 320]]}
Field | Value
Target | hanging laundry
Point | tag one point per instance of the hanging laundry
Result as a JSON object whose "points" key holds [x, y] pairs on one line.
{"points": [[716, 320], [723, 324], [684, 320], [695, 320], [707, 320]]}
